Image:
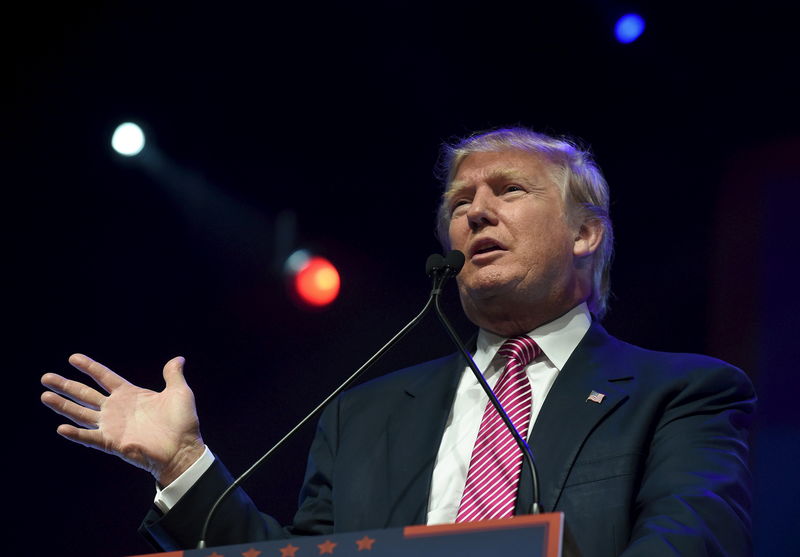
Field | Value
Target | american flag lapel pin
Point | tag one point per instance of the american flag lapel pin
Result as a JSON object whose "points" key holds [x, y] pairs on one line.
{"points": [[594, 396]]}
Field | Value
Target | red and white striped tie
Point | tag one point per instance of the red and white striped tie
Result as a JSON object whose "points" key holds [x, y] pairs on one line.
{"points": [[496, 463]]}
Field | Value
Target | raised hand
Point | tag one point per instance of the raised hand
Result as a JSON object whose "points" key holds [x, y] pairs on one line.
{"points": [[156, 431]]}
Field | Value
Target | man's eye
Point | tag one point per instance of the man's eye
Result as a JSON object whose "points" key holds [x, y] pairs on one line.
{"points": [[458, 204], [514, 187]]}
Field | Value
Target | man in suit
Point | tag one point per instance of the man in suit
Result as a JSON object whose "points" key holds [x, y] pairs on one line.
{"points": [[645, 452]]}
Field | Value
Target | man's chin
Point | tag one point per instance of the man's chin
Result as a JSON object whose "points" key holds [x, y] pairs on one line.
{"points": [[483, 303], [483, 290]]}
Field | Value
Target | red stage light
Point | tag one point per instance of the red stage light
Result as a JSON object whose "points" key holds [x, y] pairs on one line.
{"points": [[317, 282]]}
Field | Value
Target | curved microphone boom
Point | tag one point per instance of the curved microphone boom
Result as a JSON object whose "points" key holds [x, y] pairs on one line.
{"points": [[451, 266], [437, 267]]}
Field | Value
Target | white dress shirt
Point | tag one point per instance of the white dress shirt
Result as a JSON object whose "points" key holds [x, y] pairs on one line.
{"points": [[557, 340]]}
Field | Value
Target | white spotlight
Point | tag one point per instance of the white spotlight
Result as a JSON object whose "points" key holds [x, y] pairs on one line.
{"points": [[128, 139], [297, 261]]}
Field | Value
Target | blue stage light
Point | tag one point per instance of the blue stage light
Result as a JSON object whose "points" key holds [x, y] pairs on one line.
{"points": [[629, 28]]}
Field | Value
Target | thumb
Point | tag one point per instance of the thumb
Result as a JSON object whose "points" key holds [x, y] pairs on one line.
{"points": [[173, 372]]}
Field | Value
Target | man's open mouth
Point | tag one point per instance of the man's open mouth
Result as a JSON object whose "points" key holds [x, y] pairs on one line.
{"points": [[485, 246]]}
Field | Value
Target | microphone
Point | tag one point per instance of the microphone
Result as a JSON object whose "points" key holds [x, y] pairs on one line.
{"points": [[440, 269], [434, 264], [454, 261], [451, 266]]}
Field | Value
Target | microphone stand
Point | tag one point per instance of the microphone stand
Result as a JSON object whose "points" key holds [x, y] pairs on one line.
{"points": [[433, 267], [453, 266]]}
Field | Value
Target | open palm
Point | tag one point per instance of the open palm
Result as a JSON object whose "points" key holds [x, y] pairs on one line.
{"points": [[156, 431]]}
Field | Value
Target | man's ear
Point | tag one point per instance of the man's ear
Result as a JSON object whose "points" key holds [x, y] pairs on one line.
{"points": [[588, 237]]}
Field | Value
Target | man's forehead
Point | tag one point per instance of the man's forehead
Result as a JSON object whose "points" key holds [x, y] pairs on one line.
{"points": [[514, 165]]}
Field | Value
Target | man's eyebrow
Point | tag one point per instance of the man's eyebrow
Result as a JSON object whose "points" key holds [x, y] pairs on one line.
{"points": [[498, 174], [454, 187]]}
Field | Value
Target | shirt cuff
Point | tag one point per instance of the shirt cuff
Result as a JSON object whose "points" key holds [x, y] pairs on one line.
{"points": [[167, 497]]}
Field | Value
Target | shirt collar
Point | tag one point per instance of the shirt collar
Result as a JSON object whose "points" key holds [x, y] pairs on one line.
{"points": [[557, 339]]}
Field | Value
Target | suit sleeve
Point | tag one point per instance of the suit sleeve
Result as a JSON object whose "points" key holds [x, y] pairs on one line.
{"points": [[238, 520], [694, 498]]}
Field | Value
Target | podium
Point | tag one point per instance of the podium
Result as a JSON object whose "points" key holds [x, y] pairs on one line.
{"points": [[530, 535]]}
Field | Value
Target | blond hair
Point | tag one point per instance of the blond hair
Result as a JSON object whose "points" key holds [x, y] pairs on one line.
{"points": [[582, 185]]}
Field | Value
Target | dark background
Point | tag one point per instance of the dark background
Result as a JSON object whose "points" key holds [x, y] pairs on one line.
{"points": [[334, 114]]}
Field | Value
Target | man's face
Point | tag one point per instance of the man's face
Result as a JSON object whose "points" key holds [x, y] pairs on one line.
{"points": [[510, 221]]}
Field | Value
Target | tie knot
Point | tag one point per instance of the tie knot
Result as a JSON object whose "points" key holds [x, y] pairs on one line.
{"points": [[521, 349]]}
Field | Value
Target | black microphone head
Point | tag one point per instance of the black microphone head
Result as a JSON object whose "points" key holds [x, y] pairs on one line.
{"points": [[454, 260], [434, 264]]}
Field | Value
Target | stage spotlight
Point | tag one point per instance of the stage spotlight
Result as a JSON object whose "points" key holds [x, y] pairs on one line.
{"points": [[128, 139], [315, 280], [629, 28]]}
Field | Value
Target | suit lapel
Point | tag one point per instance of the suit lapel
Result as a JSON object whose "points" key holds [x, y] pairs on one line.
{"points": [[567, 418], [415, 429], [414, 433]]}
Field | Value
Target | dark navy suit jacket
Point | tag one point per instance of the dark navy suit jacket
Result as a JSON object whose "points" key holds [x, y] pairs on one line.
{"points": [[659, 467]]}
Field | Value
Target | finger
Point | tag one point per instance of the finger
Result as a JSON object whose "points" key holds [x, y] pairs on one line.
{"points": [[86, 437], [80, 393], [97, 371], [81, 415], [173, 372]]}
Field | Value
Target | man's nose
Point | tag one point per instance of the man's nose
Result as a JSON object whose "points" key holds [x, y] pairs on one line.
{"points": [[483, 209]]}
